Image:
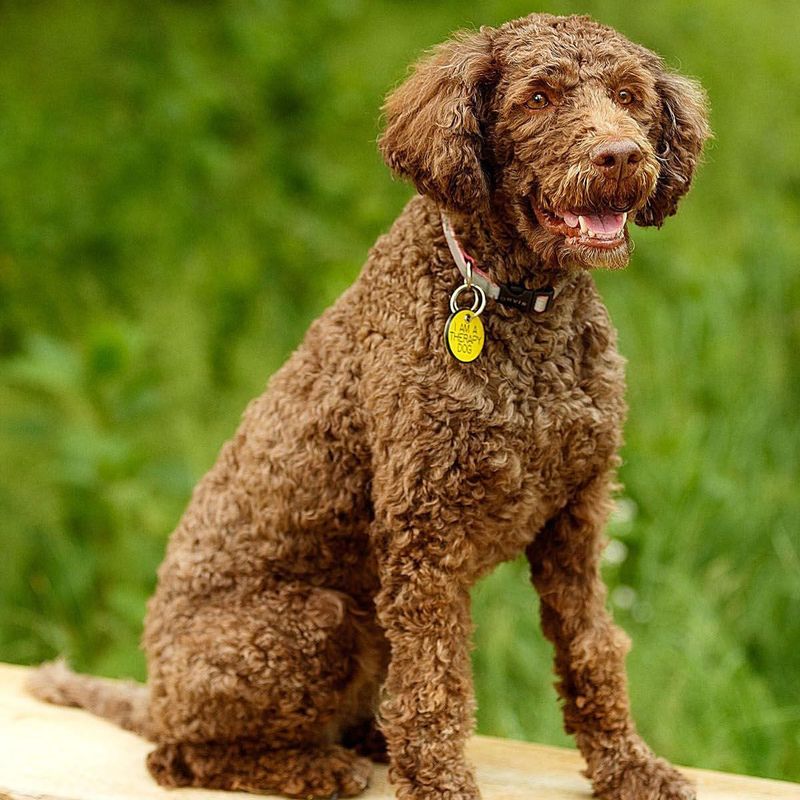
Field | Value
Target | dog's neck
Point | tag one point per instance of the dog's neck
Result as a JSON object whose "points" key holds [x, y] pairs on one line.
{"points": [[501, 256], [498, 249]]}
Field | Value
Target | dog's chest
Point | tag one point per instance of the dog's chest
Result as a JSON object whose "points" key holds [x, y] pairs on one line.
{"points": [[561, 387], [558, 429], [547, 418]]}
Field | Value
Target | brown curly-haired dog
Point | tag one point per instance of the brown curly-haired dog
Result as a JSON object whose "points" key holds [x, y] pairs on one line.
{"points": [[315, 596]]}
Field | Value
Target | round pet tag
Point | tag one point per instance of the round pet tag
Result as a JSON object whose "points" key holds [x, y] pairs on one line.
{"points": [[463, 335]]}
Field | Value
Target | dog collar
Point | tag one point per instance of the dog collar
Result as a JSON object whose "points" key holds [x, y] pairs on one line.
{"points": [[511, 295]]}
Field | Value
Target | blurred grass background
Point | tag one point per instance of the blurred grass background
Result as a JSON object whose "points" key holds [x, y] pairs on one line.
{"points": [[185, 185]]}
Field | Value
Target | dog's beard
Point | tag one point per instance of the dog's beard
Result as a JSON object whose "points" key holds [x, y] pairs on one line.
{"points": [[598, 241]]}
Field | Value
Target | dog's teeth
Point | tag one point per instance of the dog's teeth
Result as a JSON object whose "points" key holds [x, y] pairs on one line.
{"points": [[584, 226], [624, 218]]}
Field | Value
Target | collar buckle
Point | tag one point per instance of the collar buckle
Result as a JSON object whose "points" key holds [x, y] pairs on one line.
{"points": [[543, 299], [514, 295]]}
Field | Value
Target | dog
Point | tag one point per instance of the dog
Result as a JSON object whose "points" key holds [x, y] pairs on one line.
{"points": [[460, 404]]}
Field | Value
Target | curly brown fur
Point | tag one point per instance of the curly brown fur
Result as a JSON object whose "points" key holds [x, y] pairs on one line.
{"points": [[319, 579]]}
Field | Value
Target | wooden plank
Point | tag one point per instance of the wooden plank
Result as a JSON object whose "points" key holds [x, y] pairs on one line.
{"points": [[53, 753]]}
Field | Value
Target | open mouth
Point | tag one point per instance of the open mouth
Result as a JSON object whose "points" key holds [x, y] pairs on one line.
{"points": [[604, 230]]}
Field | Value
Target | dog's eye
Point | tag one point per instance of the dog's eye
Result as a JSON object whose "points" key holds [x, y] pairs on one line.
{"points": [[539, 100], [625, 97]]}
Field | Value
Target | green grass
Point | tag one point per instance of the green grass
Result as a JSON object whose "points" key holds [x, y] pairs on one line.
{"points": [[184, 186]]}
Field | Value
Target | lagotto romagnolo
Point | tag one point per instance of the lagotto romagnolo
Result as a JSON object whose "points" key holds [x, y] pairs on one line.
{"points": [[312, 612]]}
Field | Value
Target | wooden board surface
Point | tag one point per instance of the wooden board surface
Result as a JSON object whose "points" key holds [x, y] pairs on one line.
{"points": [[53, 753]]}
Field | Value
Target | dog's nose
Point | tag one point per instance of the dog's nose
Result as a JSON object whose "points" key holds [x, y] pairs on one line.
{"points": [[618, 158]]}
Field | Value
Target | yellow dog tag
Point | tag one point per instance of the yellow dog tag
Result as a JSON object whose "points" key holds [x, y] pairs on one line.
{"points": [[463, 335]]}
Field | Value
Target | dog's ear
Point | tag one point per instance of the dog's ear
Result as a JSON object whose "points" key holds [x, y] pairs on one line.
{"points": [[680, 135], [433, 122]]}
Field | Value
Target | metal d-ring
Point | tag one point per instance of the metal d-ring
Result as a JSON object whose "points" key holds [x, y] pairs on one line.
{"points": [[478, 302]]}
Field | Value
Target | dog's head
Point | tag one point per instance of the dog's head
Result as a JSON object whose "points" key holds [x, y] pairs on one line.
{"points": [[560, 125]]}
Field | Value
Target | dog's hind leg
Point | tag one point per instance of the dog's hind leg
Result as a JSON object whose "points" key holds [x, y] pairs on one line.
{"points": [[590, 653], [318, 771], [255, 693]]}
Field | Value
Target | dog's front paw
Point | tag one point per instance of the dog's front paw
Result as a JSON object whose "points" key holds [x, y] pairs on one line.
{"points": [[648, 779], [459, 786], [438, 793]]}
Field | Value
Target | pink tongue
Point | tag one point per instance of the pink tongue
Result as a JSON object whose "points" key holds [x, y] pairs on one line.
{"points": [[604, 223]]}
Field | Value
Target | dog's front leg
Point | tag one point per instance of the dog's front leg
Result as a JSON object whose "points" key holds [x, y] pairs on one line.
{"points": [[428, 708], [590, 653]]}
